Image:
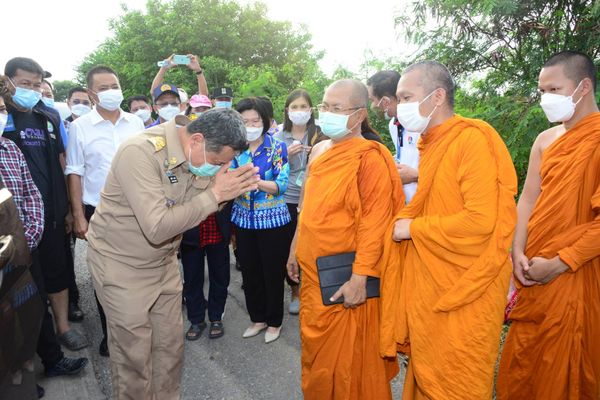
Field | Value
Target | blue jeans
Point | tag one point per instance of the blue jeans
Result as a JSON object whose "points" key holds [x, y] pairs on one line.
{"points": [[192, 258]]}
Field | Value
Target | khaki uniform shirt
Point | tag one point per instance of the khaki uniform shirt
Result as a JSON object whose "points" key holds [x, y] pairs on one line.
{"points": [[149, 199]]}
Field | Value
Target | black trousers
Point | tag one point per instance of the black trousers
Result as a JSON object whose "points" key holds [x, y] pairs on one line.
{"points": [[293, 209], [73, 289], [89, 211], [48, 347], [263, 255], [192, 258]]}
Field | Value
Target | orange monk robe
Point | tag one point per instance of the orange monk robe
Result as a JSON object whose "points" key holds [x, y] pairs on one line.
{"points": [[553, 346], [351, 194], [444, 291]]}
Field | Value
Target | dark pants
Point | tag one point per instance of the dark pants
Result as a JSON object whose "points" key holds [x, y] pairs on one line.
{"points": [[48, 347], [293, 209], [54, 252], [263, 255], [89, 211], [73, 289], [192, 258]]}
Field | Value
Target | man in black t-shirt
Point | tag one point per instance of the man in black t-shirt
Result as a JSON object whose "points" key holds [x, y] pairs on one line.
{"points": [[35, 128]]}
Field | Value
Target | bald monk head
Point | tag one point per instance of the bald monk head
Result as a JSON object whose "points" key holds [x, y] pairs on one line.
{"points": [[568, 74], [343, 109], [425, 96]]}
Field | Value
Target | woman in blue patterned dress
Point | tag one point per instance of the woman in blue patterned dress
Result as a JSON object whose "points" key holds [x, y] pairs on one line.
{"points": [[260, 218]]}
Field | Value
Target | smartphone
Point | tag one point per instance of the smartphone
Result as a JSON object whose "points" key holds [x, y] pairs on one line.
{"points": [[181, 60]]}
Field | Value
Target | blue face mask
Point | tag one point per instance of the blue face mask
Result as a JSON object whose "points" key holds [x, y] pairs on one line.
{"points": [[26, 98], [205, 169], [223, 104], [48, 101], [334, 126]]}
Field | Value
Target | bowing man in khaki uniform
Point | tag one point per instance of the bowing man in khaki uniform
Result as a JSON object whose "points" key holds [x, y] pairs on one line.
{"points": [[162, 182]]}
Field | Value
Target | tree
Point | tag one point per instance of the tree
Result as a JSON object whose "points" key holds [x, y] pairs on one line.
{"points": [[237, 45], [497, 48], [61, 89]]}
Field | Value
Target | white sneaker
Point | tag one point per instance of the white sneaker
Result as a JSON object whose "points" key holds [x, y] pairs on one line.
{"points": [[254, 330], [272, 336]]}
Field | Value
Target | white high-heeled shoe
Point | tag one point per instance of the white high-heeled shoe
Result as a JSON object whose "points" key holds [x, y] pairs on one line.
{"points": [[254, 330], [271, 337]]}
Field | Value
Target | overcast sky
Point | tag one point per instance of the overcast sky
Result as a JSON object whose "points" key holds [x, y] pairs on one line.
{"points": [[60, 33]]}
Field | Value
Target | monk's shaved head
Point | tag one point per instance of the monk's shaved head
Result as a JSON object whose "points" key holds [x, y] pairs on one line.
{"points": [[576, 66], [434, 75], [358, 92]]}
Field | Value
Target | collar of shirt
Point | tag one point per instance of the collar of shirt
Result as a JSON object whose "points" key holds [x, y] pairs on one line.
{"points": [[174, 148], [96, 118]]}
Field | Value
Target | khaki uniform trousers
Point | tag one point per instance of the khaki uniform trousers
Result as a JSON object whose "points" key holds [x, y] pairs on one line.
{"points": [[145, 326]]}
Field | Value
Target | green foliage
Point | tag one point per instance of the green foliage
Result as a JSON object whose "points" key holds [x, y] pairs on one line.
{"points": [[498, 47], [61, 89], [237, 46]]}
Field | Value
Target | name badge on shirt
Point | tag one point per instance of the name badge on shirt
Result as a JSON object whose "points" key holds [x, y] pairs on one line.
{"points": [[51, 129], [172, 177]]}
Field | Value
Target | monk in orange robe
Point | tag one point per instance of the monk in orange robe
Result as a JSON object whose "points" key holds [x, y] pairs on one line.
{"points": [[351, 193], [553, 346], [444, 285]]}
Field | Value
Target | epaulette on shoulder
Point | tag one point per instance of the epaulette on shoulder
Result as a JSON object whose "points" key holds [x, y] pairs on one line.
{"points": [[158, 142]]}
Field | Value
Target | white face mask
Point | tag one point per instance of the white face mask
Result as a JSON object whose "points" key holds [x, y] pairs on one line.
{"points": [[110, 99], [253, 133], [559, 108], [411, 119], [80, 109], [299, 117], [168, 112], [143, 114], [3, 120]]}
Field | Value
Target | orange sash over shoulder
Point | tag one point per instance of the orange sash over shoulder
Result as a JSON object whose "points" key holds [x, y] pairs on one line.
{"points": [[351, 194], [553, 346], [444, 291]]}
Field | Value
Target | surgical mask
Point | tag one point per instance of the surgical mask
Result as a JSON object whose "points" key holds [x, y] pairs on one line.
{"points": [[385, 112], [198, 114], [168, 112], [80, 109], [110, 99], [253, 133], [3, 121], [205, 169], [49, 102], [411, 119], [26, 98], [143, 113], [334, 126], [299, 117], [559, 108], [223, 104]]}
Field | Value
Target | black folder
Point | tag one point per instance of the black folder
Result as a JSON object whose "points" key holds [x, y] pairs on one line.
{"points": [[336, 270]]}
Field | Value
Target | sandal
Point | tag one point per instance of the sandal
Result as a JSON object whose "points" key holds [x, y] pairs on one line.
{"points": [[195, 331], [216, 330]]}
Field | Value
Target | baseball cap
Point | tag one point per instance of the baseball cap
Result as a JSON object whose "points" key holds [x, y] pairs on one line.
{"points": [[165, 88], [222, 92], [200, 100]]}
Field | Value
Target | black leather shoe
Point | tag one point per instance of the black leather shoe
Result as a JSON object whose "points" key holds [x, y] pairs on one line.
{"points": [[103, 348], [75, 313], [67, 366], [40, 391]]}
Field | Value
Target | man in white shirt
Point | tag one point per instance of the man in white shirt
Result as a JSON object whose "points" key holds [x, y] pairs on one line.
{"points": [[93, 141], [382, 93]]}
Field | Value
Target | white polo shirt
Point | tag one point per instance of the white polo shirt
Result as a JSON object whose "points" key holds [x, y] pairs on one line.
{"points": [[93, 142], [407, 153]]}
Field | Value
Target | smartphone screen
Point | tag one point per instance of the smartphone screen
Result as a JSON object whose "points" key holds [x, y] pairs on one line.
{"points": [[180, 59]]}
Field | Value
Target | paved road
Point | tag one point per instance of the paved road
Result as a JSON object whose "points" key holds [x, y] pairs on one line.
{"points": [[226, 368]]}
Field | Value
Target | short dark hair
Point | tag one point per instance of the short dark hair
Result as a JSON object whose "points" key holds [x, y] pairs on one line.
{"points": [[384, 83], [22, 63], [258, 105], [435, 76], [139, 97], [76, 89], [98, 69], [268, 106], [221, 127], [48, 83], [578, 66]]}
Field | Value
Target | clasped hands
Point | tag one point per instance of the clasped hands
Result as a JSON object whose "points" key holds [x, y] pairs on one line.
{"points": [[537, 270]]}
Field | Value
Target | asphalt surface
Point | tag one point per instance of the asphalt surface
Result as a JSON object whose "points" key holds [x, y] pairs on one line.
{"points": [[229, 367]]}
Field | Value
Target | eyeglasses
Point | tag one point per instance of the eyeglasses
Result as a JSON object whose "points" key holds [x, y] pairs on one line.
{"points": [[335, 109]]}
